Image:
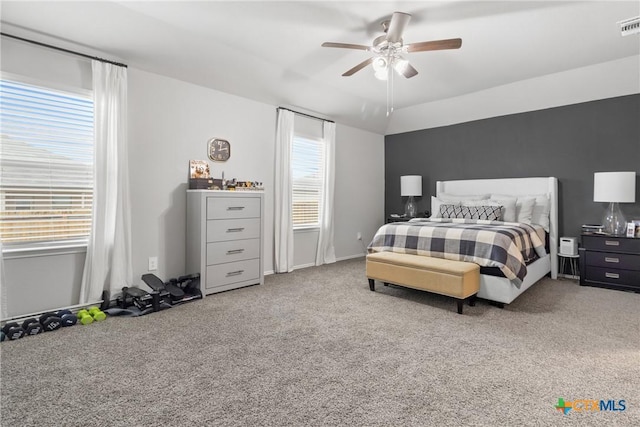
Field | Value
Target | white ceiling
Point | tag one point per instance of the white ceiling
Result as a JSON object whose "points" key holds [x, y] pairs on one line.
{"points": [[270, 51]]}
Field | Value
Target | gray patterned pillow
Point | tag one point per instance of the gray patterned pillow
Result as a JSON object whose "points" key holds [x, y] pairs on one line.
{"points": [[491, 213]]}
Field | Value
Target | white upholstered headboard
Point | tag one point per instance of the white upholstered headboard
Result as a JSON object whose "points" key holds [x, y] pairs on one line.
{"points": [[516, 187]]}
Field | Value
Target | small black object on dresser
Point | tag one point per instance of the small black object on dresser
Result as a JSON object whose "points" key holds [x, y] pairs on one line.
{"points": [[610, 262]]}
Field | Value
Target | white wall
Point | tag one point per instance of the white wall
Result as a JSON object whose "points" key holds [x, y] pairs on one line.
{"points": [[170, 122]]}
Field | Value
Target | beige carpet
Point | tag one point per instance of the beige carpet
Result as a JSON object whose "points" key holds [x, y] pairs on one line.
{"points": [[316, 347]]}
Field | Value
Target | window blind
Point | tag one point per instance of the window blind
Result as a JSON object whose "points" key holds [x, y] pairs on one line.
{"points": [[307, 162], [46, 164]]}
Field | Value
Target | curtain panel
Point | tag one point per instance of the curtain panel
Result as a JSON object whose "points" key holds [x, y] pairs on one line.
{"points": [[108, 262], [283, 233]]}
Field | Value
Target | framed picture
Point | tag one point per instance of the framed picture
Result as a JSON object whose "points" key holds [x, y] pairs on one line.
{"points": [[198, 169]]}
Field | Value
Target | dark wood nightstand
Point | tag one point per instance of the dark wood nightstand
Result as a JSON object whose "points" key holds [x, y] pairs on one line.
{"points": [[610, 262]]}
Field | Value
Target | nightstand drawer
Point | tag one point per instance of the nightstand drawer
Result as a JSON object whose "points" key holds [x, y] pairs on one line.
{"points": [[613, 260], [610, 244], [613, 276]]}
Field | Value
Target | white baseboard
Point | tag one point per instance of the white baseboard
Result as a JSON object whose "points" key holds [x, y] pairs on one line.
{"points": [[298, 267], [344, 258]]}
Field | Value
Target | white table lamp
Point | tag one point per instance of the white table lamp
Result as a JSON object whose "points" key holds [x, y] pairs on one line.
{"points": [[411, 186], [614, 187]]}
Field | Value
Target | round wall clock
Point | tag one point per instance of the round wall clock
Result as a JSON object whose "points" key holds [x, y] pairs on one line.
{"points": [[219, 149]]}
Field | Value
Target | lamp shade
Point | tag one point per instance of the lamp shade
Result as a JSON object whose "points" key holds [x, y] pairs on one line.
{"points": [[411, 185], [618, 187]]}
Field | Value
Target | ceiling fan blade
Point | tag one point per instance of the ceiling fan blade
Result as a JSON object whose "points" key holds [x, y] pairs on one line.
{"points": [[434, 45], [399, 21], [345, 45], [358, 67], [409, 71]]}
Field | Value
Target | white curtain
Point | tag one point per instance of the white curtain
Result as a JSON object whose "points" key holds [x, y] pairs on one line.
{"points": [[326, 252], [108, 261], [3, 289], [283, 193]]}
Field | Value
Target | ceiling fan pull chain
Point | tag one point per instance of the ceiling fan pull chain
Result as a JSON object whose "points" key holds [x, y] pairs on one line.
{"points": [[389, 89]]}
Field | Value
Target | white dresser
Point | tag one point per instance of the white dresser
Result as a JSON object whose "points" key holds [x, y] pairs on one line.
{"points": [[225, 238]]}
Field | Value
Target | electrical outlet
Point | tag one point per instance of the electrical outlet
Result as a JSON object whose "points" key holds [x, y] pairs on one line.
{"points": [[153, 263], [359, 236]]}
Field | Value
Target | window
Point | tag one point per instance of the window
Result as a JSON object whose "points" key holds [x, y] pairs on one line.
{"points": [[46, 165], [307, 162]]}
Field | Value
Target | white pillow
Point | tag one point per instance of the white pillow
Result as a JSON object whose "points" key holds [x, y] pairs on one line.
{"points": [[509, 206], [435, 206], [541, 211], [524, 209]]}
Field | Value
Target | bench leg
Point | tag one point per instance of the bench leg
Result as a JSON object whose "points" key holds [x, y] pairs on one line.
{"points": [[372, 284], [460, 304], [472, 300]]}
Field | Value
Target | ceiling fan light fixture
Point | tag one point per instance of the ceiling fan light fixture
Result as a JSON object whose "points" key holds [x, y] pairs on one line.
{"points": [[380, 66], [400, 65]]}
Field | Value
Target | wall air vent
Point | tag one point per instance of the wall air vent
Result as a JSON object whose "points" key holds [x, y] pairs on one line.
{"points": [[630, 26]]}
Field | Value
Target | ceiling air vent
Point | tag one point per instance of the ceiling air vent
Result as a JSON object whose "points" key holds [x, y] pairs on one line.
{"points": [[630, 26]]}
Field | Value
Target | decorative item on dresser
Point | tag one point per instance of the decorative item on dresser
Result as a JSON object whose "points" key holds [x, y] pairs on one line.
{"points": [[411, 185], [610, 262], [225, 238]]}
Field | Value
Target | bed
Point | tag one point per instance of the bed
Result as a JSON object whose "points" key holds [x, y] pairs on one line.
{"points": [[497, 287]]}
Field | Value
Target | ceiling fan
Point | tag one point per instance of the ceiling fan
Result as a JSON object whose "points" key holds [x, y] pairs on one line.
{"points": [[389, 49]]}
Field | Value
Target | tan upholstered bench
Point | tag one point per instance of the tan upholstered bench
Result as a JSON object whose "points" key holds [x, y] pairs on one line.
{"points": [[456, 279]]}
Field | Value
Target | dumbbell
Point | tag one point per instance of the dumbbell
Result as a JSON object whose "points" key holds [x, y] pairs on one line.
{"points": [[67, 317], [13, 331], [50, 321], [31, 327], [84, 317], [97, 314]]}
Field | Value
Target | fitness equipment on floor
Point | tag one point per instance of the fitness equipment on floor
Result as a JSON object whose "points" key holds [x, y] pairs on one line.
{"points": [[190, 284], [50, 321], [84, 317], [169, 289], [97, 314], [32, 327], [13, 331], [67, 317]]}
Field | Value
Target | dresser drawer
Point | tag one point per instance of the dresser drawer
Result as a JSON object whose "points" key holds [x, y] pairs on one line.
{"points": [[613, 276], [233, 272], [232, 229], [611, 244], [233, 207], [233, 250], [613, 260]]}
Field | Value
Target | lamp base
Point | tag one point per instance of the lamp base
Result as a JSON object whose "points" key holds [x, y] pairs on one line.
{"points": [[613, 221], [411, 208]]}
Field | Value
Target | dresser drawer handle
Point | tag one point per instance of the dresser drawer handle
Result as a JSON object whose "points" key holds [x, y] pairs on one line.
{"points": [[609, 259], [612, 243], [235, 251], [612, 275], [235, 273], [235, 208], [234, 230]]}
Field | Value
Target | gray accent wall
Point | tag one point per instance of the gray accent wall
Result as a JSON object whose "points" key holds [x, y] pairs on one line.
{"points": [[570, 143]]}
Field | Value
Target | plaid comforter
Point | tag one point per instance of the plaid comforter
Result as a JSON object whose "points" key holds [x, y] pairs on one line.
{"points": [[506, 245]]}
